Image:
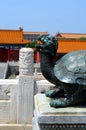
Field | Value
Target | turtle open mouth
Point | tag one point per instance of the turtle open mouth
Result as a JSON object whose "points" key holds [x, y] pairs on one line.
{"points": [[39, 47]]}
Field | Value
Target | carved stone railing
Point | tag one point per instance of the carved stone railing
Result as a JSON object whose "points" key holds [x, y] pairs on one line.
{"points": [[16, 95], [8, 101]]}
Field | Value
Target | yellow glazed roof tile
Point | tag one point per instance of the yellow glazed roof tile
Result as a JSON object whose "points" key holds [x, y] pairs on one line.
{"points": [[12, 37], [70, 35]]}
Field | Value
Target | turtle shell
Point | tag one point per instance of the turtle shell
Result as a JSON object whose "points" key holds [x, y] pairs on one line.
{"points": [[71, 68]]}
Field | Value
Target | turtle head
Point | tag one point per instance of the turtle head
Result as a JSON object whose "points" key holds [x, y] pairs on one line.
{"points": [[47, 44]]}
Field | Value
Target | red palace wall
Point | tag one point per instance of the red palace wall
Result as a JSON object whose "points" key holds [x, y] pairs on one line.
{"points": [[13, 54], [3, 55], [9, 55]]}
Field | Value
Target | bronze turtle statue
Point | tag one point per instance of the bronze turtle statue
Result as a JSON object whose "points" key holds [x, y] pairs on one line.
{"points": [[68, 73]]}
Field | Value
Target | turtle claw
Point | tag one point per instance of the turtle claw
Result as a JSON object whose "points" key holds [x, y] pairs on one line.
{"points": [[69, 100], [54, 93], [61, 102]]}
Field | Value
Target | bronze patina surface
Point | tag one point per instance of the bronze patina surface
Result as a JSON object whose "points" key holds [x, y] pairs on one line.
{"points": [[68, 73]]}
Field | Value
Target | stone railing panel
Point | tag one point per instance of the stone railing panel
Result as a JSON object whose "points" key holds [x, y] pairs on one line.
{"points": [[8, 102]]}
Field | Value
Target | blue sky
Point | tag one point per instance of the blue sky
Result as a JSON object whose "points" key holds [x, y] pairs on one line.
{"points": [[53, 16]]}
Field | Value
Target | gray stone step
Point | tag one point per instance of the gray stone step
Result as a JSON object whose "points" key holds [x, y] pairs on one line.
{"points": [[3, 67]]}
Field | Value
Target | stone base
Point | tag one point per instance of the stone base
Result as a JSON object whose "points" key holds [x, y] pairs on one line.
{"points": [[35, 125], [15, 127], [48, 118]]}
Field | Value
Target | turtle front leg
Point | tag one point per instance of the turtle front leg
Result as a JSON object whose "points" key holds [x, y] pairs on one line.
{"points": [[56, 92], [66, 101], [61, 102]]}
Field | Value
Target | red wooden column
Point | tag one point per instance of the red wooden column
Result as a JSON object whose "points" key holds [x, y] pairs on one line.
{"points": [[38, 57], [8, 54]]}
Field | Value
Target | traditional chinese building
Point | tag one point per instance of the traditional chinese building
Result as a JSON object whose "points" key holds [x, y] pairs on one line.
{"points": [[68, 42], [33, 36], [12, 40], [10, 43], [71, 42]]}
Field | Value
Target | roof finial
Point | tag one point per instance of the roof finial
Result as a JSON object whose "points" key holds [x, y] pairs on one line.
{"points": [[20, 28]]}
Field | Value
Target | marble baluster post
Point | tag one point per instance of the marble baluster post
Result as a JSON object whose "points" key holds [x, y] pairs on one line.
{"points": [[26, 87]]}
